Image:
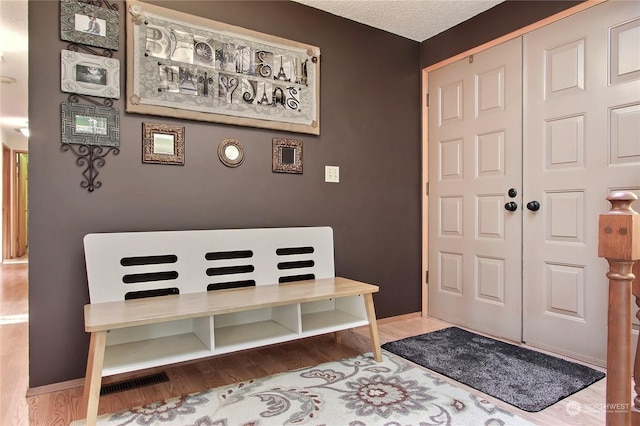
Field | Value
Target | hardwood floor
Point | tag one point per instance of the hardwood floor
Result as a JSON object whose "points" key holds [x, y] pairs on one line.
{"points": [[62, 407]]}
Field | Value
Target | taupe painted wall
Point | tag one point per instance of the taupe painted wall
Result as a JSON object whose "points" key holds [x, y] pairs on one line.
{"points": [[370, 127], [502, 19]]}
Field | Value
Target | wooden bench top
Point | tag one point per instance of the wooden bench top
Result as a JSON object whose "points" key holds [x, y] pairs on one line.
{"points": [[129, 313]]}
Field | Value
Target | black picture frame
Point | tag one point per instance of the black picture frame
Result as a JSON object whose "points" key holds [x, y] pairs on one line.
{"points": [[90, 125], [286, 156], [75, 19]]}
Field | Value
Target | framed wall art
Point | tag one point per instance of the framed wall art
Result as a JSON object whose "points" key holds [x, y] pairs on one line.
{"points": [[162, 144], [286, 155], [90, 125], [87, 24], [90, 75], [189, 67]]}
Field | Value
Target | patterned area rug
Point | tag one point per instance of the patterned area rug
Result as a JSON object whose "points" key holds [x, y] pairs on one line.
{"points": [[356, 391], [524, 378]]}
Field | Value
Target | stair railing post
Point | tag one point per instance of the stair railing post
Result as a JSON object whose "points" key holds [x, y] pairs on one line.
{"points": [[619, 243], [635, 410]]}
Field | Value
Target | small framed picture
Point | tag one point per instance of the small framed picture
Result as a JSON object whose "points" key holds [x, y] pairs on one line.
{"points": [[162, 144], [90, 75], [90, 125], [287, 156], [84, 23]]}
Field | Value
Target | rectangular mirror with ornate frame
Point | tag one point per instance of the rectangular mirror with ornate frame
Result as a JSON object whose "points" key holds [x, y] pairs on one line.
{"points": [[287, 155], [162, 144]]}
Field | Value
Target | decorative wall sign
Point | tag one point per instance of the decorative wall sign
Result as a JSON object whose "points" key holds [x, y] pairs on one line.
{"points": [[90, 132], [90, 125], [84, 23], [162, 144], [90, 75], [231, 152], [185, 66], [287, 156]]}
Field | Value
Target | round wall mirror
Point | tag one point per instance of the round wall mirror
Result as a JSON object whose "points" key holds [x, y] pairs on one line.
{"points": [[231, 153]]}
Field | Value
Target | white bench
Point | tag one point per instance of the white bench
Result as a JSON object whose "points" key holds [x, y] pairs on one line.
{"points": [[159, 298]]}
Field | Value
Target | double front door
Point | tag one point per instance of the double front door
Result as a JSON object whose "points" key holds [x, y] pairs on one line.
{"points": [[526, 139]]}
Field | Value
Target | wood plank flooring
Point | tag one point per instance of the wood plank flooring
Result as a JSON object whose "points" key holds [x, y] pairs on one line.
{"points": [[62, 407]]}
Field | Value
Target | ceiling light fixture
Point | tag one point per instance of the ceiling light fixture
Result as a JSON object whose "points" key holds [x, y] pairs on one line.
{"points": [[24, 130]]}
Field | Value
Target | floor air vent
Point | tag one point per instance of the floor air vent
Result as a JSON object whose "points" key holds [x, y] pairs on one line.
{"points": [[137, 382]]}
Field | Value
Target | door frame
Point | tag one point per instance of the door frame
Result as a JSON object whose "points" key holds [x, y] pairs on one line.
{"points": [[10, 201], [425, 126], [18, 203], [7, 211]]}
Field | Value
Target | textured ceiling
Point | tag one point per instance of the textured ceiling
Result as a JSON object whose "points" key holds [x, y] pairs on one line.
{"points": [[13, 63], [413, 19]]}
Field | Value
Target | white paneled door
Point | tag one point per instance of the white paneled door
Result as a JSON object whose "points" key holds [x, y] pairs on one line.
{"points": [[581, 141], [563, 131], [475, 147]]}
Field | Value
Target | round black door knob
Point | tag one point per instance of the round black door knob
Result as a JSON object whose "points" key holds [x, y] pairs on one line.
{"points": [[511, 206], [534, 206]]}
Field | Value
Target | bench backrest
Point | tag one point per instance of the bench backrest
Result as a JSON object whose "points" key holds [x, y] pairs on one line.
{"points": [[131, 265]]}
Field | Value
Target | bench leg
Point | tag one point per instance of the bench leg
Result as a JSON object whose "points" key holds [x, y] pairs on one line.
{"points": [[93, 378], [373, 327]]}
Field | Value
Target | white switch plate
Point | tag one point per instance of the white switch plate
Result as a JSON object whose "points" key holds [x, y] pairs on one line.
{"points": [[332, 174]]}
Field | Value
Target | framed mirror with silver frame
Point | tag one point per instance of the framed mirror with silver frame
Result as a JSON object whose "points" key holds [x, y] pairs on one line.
{"points": [[287, 156], [162, 144], [231, 152]]}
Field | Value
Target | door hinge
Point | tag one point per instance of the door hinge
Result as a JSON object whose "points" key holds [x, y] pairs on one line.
{"points": [[426, 277], [427, 99], [427, 188]]}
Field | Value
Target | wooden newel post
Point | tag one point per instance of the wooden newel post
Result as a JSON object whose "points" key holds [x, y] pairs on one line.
{"points": [[619, 243], [635, 410]]}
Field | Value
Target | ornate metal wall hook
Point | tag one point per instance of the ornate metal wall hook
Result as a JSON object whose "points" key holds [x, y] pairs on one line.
{"points": [[75, 98], [107, 53], [91, 157], [99, 4]]}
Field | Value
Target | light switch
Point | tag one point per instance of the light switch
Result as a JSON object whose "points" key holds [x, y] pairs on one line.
{"points": [[332, 174]]}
